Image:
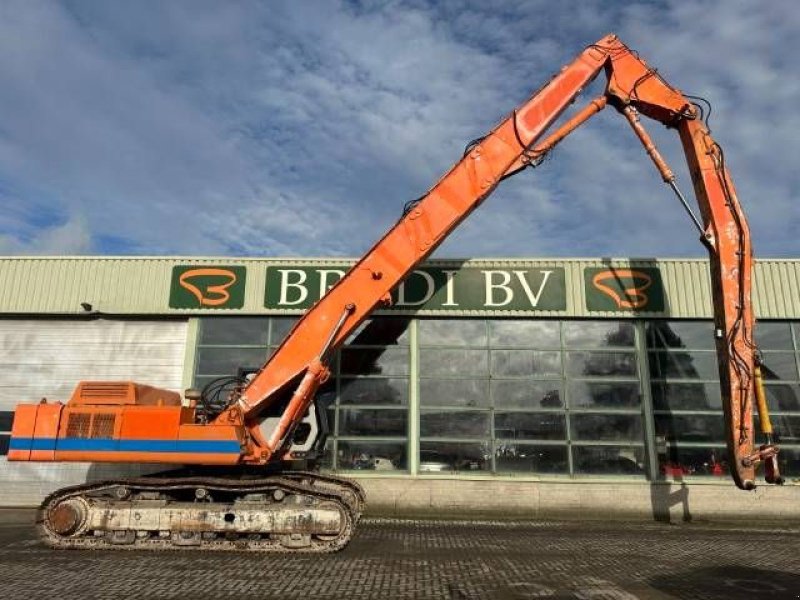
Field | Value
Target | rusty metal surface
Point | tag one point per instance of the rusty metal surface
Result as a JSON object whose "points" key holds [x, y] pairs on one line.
{"points": [[66, 518]]}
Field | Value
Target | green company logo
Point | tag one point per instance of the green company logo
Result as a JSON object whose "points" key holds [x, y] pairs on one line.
{"points": [[632, 289], [431, 288], [204, 286]]}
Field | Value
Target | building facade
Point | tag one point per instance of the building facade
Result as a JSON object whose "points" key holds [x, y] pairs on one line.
{"points": [[500, 387]]}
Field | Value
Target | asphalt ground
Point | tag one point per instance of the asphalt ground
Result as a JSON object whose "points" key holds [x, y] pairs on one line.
{"points": [[430, 559]]}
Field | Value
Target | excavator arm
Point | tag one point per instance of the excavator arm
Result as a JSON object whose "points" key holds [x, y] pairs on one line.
{"points": [[291, 377]]}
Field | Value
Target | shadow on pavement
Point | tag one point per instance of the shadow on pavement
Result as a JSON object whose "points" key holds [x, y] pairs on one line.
{"points": [[731, 582], [663, 499], [17, 517]]}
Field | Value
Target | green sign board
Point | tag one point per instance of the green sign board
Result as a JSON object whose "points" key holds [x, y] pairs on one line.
{"points": [[432, 288], [635, 289], [204, 286], [493, 289]]}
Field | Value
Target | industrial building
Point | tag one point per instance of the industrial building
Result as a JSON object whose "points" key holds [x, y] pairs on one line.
{"points": [[530, 388]]}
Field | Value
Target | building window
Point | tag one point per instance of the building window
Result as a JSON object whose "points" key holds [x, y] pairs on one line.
{"points": [[523, 396], [687, 407], [228, 344], [365, 399], [687, 403], [516, 396], [370, 409], [604, 398]]}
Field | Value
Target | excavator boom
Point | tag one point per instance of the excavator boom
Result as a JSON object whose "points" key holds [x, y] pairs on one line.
{"points": [[633, 87]]}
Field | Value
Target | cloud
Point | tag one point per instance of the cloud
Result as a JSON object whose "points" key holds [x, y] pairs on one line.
{"points": [[301, 128], [70, 237]]}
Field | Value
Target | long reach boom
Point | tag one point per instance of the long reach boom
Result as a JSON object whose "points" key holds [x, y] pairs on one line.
{"points": [[634, 88]]}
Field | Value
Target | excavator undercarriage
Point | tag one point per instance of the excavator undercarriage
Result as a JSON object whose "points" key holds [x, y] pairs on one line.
{"points": [[289, 512]]}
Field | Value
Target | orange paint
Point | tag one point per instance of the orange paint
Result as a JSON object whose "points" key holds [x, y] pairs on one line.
{"points": [[185, 458], [634, 296], [220, 291], [48, 417]]}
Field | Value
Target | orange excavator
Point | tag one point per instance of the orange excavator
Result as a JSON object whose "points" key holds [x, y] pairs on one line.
{"points": [[236, 485]]}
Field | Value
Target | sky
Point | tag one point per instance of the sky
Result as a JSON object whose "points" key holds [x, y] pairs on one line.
{"points": [[300, 128]]}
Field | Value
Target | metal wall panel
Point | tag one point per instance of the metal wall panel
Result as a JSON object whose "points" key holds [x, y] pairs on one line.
{"points": [[777, 289], [48, 357], [141, 285]]}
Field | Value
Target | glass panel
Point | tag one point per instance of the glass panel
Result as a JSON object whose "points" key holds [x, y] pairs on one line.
{"points": [[377, 361], [678, 462], [453, 423], [593, 394], [6, 420], [789, 462], [691, 428], [234, 331], [683, 365], [697, 335], [530, 334], [331, 414], [772, 335], [4, 441], [371, 456], [372, 422], [524, 458], [526, 363], [281, 326], [326, 396], [602, 460], [529, 426], [687, 396], [326, 460], [779, 366], [516, 393], [782, 397], [601, 364], [450, 332], [606, 427], [226, 361], [787, 428], [435, 457], [381, 331], [453, 363], [374, 391], [598, 334], [454, 392]]}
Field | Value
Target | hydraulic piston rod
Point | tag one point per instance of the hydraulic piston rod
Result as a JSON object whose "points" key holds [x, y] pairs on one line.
{"points": [[632, 115]]}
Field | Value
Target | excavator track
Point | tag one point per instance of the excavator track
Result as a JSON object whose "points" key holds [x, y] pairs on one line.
{"points": [[357, 497], [288, 513]]}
